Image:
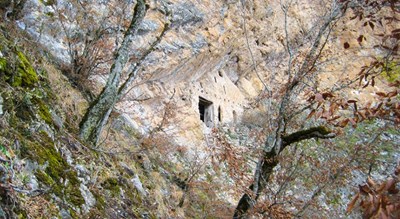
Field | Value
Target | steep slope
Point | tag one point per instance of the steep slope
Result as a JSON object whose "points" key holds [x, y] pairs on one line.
{"points": [[184, 141], [47, 172]]}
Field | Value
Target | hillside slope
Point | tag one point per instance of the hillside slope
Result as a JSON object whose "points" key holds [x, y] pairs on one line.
{"points": [[47, 172], [206, 105]]}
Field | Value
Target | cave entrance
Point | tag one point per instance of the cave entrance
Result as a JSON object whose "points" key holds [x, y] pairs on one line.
{"points": [[206, 111], [219, 114]]}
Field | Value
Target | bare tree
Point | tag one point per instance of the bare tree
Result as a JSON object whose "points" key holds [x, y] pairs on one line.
{"points": [[280, 138], [99, 111], [302, 72]]}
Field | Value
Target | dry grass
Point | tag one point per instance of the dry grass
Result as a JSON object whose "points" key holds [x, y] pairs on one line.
{"points": [[69, 99], [39, 207]]}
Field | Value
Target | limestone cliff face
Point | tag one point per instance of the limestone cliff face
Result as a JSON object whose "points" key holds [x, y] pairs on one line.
{"points": [[199, 57], [225, 52], [216, 59]]}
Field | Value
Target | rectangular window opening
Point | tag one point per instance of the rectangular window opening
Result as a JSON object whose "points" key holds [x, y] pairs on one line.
{"points": [[205, 110]]}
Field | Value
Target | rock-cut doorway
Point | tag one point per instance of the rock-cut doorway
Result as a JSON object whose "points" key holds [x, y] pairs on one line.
{"points": [[206, 111]]}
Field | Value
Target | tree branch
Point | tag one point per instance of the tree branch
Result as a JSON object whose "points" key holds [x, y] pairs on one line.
{"points": [[314, 132]]}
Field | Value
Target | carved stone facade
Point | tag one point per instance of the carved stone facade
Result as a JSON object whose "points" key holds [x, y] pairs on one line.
{"points": [[217, 99]]}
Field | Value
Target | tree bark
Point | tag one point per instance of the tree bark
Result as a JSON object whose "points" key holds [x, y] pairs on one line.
{"points": [[99, 111], [270, 160]]}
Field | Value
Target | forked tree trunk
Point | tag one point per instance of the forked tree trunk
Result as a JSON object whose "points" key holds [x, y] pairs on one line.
{"points": [[269, 160], [99, 111]]}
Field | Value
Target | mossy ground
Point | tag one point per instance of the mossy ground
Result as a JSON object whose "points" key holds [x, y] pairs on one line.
{"points": [[29, 101], [17, 68], [112, 185], [56, 169], [26, 103], [25, 74], [31, 95]]}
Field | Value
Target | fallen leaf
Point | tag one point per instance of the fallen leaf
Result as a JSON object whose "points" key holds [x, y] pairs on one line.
{"points": [[351, 205]]}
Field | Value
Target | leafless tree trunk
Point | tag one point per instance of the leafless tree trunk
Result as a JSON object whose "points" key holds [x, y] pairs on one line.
{"points": [[280, 139], [99, 111]]}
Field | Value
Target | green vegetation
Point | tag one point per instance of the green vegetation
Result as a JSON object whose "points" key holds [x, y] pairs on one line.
{"points": [[112, 185], [3, 64], [16, 66], [25, 75], [43, 110], [29, 103], [26, 104], [45, 154], [48, 2], [391, 71]]}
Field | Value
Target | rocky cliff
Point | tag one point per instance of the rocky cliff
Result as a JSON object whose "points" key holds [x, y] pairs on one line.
{"points": [[189, 119]]}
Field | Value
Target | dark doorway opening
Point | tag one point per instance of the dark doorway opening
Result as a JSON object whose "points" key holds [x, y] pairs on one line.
{"points": [[219, 114], [205, 110]]}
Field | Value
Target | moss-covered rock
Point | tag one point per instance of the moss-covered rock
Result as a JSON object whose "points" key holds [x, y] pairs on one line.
{"points": [[3, 64], [28, 103], [112, 185], [16, 66], [58, 174], [32, 110], [43, 110], [391, 71], [25, 75]]}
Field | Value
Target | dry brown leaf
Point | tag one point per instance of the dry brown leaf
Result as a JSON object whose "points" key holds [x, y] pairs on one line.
{"points": [[343, 123], [362, 114], [381, 94], [352, 101], [364, 189], [371, 182], [334, 118], [351, 205], [392, 94], [311, 114]]}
